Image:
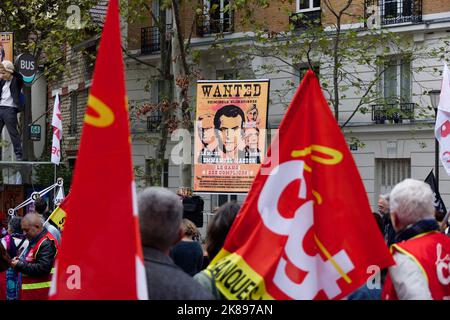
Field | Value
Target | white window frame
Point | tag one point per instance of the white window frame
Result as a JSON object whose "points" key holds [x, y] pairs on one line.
{"points": [[399, 6], [207, 7], [390, 165], [311, 7], [398, 62]]}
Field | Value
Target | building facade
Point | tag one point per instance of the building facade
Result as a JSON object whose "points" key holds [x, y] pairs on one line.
{"points": [[387, 146]]}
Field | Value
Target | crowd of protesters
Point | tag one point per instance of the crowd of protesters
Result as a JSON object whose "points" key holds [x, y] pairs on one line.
{"points": [[176, 258]]}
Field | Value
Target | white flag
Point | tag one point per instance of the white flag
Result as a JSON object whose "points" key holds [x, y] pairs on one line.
{"points": [[442, 129], [59, 196], [57, 131]]}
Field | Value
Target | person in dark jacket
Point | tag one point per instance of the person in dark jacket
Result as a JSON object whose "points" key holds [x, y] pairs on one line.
{"points": [[383, 210], [11, 84], [160, 214], [188, 253], [216, 234], [34, 230], [36, 263]]}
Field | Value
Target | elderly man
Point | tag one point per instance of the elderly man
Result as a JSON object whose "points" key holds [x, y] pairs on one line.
{"points": [[36, 264], [422, 254], [160, 216], [11, 84], [383, 210]]}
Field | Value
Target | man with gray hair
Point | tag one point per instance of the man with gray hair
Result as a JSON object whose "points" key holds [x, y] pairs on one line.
{"points": [[160, 216], [422, 254]]}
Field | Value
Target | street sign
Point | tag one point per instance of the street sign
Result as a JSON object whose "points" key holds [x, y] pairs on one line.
{"points": [[35, 132], [26, 66]]}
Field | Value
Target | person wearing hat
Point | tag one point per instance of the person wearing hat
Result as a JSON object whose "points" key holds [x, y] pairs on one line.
{"points": [[11, 84]]}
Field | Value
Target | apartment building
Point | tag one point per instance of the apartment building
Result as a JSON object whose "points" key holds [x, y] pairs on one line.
{"points": [[386, 147]]}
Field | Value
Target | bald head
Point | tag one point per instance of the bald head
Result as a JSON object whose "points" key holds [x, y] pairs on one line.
{"points": [[160, 214], [32, 225]]}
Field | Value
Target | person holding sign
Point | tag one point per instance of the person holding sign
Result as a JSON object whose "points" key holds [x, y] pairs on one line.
{"points": [[11, 84]]}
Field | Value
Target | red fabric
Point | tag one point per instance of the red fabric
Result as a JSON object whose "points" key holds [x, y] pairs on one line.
{"points": [[342, 222], [2, 285], [432, 251], [36, 294], [101, 197]]}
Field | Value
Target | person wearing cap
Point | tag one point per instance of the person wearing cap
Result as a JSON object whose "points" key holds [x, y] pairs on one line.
{"points": [[11, 84]]}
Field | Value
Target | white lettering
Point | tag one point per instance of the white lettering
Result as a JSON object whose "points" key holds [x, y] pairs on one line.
{"points": [[321, 273]]}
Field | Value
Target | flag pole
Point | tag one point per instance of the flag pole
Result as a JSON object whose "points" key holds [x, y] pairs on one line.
{"points": [[54, 191]]}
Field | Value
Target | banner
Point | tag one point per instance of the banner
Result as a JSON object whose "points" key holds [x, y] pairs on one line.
{"points": [[58, 216], [6, 46], [230, 134], [438, 203], [103, 193], [306, 230], [57, 131], [442, 127]]}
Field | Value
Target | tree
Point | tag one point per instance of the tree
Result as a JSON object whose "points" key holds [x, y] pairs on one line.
{"points": [[175, 74], [47, 29]]}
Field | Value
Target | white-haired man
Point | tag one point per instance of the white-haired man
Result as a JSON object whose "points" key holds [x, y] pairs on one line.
{"points": [[422, 254]]}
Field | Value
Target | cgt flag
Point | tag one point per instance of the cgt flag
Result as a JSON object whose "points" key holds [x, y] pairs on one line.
{"points": [[305, 230], [90, 263], [438, 203]]}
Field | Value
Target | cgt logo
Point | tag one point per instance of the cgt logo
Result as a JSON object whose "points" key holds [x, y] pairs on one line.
{"points": [[445, 129]]}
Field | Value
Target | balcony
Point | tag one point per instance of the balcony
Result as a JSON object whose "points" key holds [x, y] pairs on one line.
{"points": [[303, 20], [150, 39], [394, 112], [208, 24], [396, 11], [154, 121]]}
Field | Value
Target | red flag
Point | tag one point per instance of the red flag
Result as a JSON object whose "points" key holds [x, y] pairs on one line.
{"points": [[100, 255], [306, 230]]}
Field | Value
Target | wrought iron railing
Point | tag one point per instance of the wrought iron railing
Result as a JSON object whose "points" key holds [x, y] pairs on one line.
{"points": [[208, 24], [396, 11], [303, 20], [154, 121], [395, 112], [150, 39]]}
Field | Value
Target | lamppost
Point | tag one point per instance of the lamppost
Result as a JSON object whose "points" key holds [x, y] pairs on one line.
{"points": [[434, 98]]}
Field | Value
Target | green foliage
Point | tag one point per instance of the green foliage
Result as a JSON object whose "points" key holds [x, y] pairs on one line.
{"points": [[345, 55], [41, 27], [44, 175]]}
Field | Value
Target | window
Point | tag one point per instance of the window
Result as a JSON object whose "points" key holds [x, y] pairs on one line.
{"points": [[397, 8], [389, 172], [155, 117], [216, 18], [398, 11], [151, 171], [73, 113], [300, 71], [224, 198], [308, 5], [397, 81]]}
